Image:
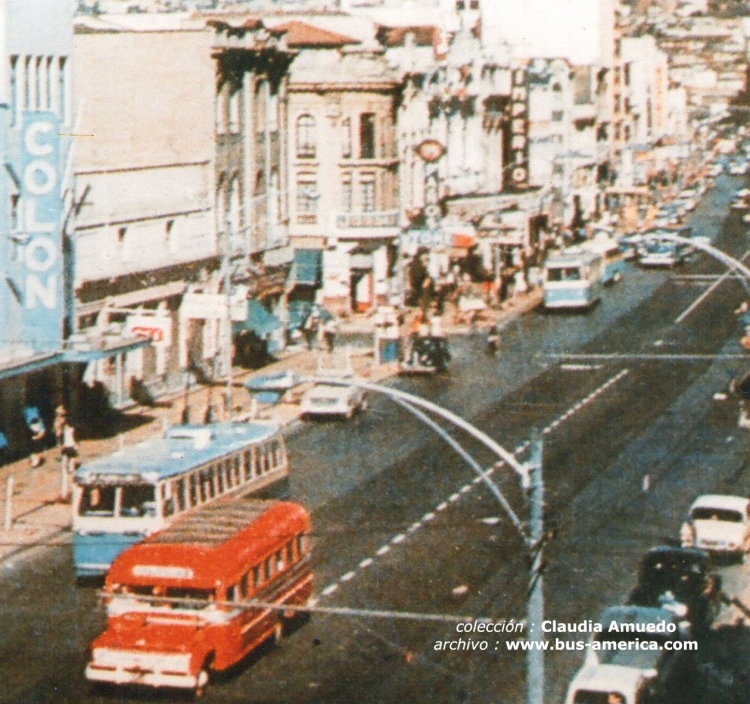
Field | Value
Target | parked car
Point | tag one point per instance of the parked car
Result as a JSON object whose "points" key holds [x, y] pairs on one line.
{"points": [[719, 523], [425, 355], [333, 400], [638, 674], [674, 577]]}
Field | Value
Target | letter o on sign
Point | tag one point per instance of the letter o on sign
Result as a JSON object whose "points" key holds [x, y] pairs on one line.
{"points": [[519, 174], [39, 177], [48, 254]]}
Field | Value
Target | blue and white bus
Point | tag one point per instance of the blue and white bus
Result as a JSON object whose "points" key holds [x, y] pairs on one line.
{"points": [[613, 258], [572, 279], [123, 497]]}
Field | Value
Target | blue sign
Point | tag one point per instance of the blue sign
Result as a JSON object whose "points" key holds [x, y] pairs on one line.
{"points": [[428, 238], [37, 280]]}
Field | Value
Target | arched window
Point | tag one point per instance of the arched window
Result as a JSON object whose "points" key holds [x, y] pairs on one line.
{"points": [[306, 137]]}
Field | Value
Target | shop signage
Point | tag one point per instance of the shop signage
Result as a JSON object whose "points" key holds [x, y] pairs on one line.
{"points": [[519, 126], [38, 278], [158, 328]]}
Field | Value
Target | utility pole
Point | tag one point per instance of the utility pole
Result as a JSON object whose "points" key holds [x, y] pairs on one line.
{"points": [[535, 607], [228, 297]]}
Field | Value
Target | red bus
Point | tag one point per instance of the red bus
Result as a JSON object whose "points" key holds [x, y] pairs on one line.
{"points": [[177, 602]]}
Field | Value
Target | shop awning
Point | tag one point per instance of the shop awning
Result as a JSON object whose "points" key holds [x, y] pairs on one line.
{"points": [[93, 350], [30, 364], [259, 320], [308, 266]]}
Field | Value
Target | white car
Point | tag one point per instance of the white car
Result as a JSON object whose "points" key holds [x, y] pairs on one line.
{"points": [[333, 400], [719, 524]]}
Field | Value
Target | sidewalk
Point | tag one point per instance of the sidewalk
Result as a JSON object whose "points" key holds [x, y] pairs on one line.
{"points": [[40, 517]]}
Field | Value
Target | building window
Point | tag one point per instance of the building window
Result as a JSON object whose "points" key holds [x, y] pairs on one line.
{"points": [[307, 198], [346, 138], [346, 193], [557, 116], [367, 185], [367, 135], [234, 110], [306, 137], [626, 74], [121, 232]]}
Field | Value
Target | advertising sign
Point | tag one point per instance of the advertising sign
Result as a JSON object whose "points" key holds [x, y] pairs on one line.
{"points": [[38, 267], [158, 328]]}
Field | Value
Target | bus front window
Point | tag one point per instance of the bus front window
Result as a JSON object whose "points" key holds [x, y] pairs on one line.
{"points": [[97, 501], [138, 500]]}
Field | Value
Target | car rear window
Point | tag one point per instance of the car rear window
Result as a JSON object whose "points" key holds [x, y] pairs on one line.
{"points": [[716, 514]]}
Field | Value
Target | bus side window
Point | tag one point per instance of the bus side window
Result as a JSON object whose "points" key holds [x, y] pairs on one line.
{"points": [[290, 552], [268, 568], [233, 593], [178, 490], [243, 585], [301, 540], [256, 577], [279, 561], [193, 498], [219, 469]]}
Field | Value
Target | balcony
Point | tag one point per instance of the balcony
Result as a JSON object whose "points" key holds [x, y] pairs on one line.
{"points": [[368, 221]]}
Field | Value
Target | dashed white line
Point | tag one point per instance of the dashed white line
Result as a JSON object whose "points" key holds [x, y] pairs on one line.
{"points": [[465, 489]]}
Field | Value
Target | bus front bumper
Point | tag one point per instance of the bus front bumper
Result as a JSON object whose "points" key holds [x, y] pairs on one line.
{"points": [[147, 669]]}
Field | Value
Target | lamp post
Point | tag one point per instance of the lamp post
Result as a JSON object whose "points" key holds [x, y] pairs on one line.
{"points": [[530, 474]]}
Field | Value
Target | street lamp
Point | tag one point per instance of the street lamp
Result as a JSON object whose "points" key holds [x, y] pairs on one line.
{"points": [[530, 474]]}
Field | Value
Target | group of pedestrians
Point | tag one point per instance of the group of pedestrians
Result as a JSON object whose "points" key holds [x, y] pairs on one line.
{"points": [[65, 438], [314, 328]]}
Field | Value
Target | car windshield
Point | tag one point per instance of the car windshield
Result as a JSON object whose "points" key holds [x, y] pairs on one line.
{"points": [[716, 514]]}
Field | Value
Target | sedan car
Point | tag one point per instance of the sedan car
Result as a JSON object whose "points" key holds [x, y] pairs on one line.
{"points": [[673, 577], [333, 400], [654, 252], [719, 523]]}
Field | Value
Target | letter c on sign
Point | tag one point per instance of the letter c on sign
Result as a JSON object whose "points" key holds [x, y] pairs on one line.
{"points": [[31, 142], [459, 627], [49, 254]]}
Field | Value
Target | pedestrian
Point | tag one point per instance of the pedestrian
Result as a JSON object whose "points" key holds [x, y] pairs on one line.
{"points": [[60, 419], [310, 329], [37, 433], [329, 332], [69, 448]]}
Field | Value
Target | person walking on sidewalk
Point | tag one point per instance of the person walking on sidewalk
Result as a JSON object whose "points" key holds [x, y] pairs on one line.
{"points": [[329, 332], [69, 448], [57, 427], [37, 433], [310, 329]]}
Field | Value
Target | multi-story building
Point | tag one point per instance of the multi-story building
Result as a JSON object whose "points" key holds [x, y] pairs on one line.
{"points": [[343, 164], [181, 169]]}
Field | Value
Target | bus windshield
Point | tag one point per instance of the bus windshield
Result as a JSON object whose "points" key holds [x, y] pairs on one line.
{"points": [[135, 501], [568, 273], [195, 599]]}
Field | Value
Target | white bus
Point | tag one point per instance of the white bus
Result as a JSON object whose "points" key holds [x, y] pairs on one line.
{"points": [[572, 279], [123, 497]]}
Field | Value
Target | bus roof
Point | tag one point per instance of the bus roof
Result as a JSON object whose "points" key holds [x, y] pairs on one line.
{"points": [[572, 257], [211, 546], [180, 449]]}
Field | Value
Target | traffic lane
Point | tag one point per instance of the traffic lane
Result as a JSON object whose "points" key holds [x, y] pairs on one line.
{"points": [[47, 625]]}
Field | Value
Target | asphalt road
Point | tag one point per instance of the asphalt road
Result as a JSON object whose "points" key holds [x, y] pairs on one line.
{"points": [[401, 526]]}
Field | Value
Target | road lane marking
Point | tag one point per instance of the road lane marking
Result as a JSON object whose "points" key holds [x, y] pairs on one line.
{"points": [[625, 356], [726, 275], [465, 489]]}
